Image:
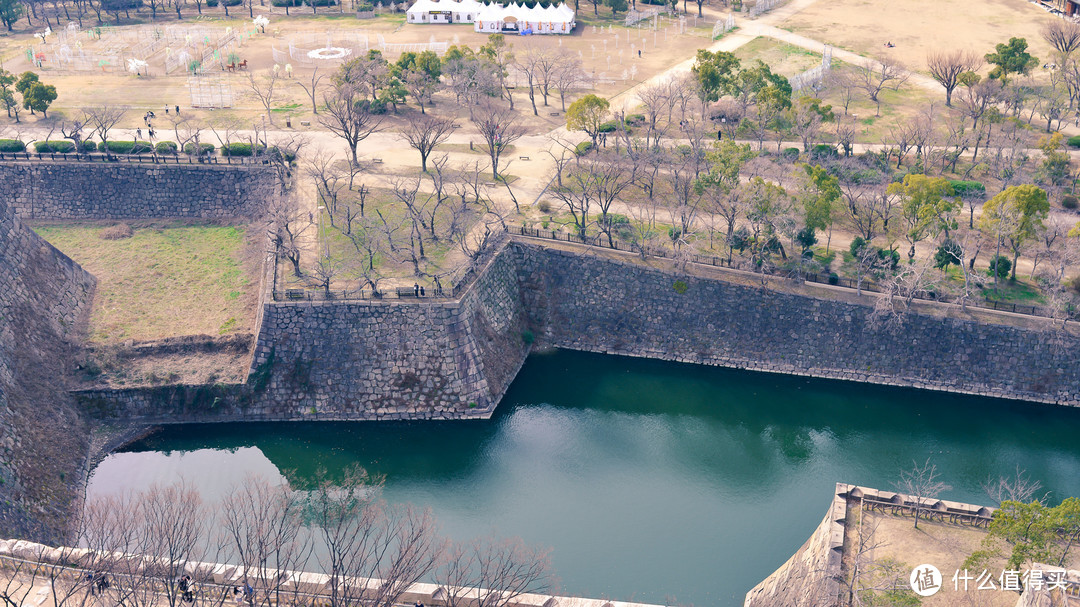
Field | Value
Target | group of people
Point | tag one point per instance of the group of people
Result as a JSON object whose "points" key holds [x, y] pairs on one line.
{"points": [[98, 582], [242, 594], [149, 127]]}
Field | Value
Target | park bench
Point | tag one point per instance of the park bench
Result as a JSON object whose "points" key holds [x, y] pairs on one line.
{"points": [[523, 157], [294, 293], [377, 160], [406, 292]]}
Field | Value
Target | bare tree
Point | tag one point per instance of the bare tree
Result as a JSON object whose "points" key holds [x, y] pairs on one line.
{"points": [[329, 180], [921, 485], [492, 573], [946, 67], [286, 225], [569, 75], [425, 133], [1017, 488], [263, 88], [1063, 35], [499, 128], [311, 88], [101, 119], [875, 75], [173, 530], [261, 531], [349, 116], [188, 131]]}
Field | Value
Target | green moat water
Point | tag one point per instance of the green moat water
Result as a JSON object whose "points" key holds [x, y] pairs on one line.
{"points": [[651, 481]]}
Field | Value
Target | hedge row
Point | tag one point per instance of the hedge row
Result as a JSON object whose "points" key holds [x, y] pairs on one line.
{"points": [[54, 147], [140, 147], [303, 2]]}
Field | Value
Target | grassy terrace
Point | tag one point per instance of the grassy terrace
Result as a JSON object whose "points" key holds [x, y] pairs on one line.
{"points": [[165, 279]]}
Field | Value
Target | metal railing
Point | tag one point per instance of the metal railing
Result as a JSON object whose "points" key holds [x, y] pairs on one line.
{"points": [[722, 262], [134, 158]]}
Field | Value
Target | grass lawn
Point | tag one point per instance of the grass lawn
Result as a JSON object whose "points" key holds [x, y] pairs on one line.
{"points": [[166, 279], [1008, 291]]}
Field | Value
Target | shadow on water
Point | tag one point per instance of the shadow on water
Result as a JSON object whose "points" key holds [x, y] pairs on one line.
{"points": [[650, 480]]}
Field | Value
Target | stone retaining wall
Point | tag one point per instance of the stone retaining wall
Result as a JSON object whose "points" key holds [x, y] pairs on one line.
{"points": [[44, 303], [454, 359], [600, 304], [358, 360], [813, 574], [41, 189]]}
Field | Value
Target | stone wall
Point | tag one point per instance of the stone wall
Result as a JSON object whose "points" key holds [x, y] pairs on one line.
{"points": [[359, 360], [812, 575], [91, 190], [604, 304], [44, 302], [455, 359]]}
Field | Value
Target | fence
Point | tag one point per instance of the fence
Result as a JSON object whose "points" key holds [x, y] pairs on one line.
{"points": [[722, 262], [458, 281], [814, 76], [439, 48], [210, 92], [133, 158], [763, 6], [723, 27], [303, 47], [634, 16]]}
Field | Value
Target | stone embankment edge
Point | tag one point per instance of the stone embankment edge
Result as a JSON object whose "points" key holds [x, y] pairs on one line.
{"points": [[814, 572], [313, 585]]}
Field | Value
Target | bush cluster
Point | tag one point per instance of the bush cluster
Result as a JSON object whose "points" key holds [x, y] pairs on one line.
{"points": [[128, 147], [12, 145], [54, 147], [204, 148]]}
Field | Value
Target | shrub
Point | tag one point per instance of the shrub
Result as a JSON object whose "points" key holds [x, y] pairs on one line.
{"points": [[680, 286], [834, 278], [583, 148], [1001, 265], [790, 154], [1074, 141], [12, 145], [1070, 202], [88, 146], [544, 206], [303, 2], [856, 246], [54, 147], [614, 219], [635, 119], [204, 148], [527, 337], [366, 7], [823, 151], [129, 147], [165, 147], [116, 232], [948, 253], [240, 149], [274, 150], [607, 127], [968, 189]]}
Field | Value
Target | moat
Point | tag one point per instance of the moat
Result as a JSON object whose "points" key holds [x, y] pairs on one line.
{"points": [[652, 481]]}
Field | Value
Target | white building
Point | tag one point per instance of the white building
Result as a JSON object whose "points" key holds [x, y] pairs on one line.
{"points": [[493, 18]]}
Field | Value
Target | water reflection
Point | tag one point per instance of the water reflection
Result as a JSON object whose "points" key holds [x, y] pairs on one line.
{"points": [[650, 480]]}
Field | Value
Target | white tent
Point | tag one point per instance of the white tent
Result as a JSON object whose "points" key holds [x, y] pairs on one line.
{"points": [[465, 11], [489, 19], [523, 19], [430, 11]]}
